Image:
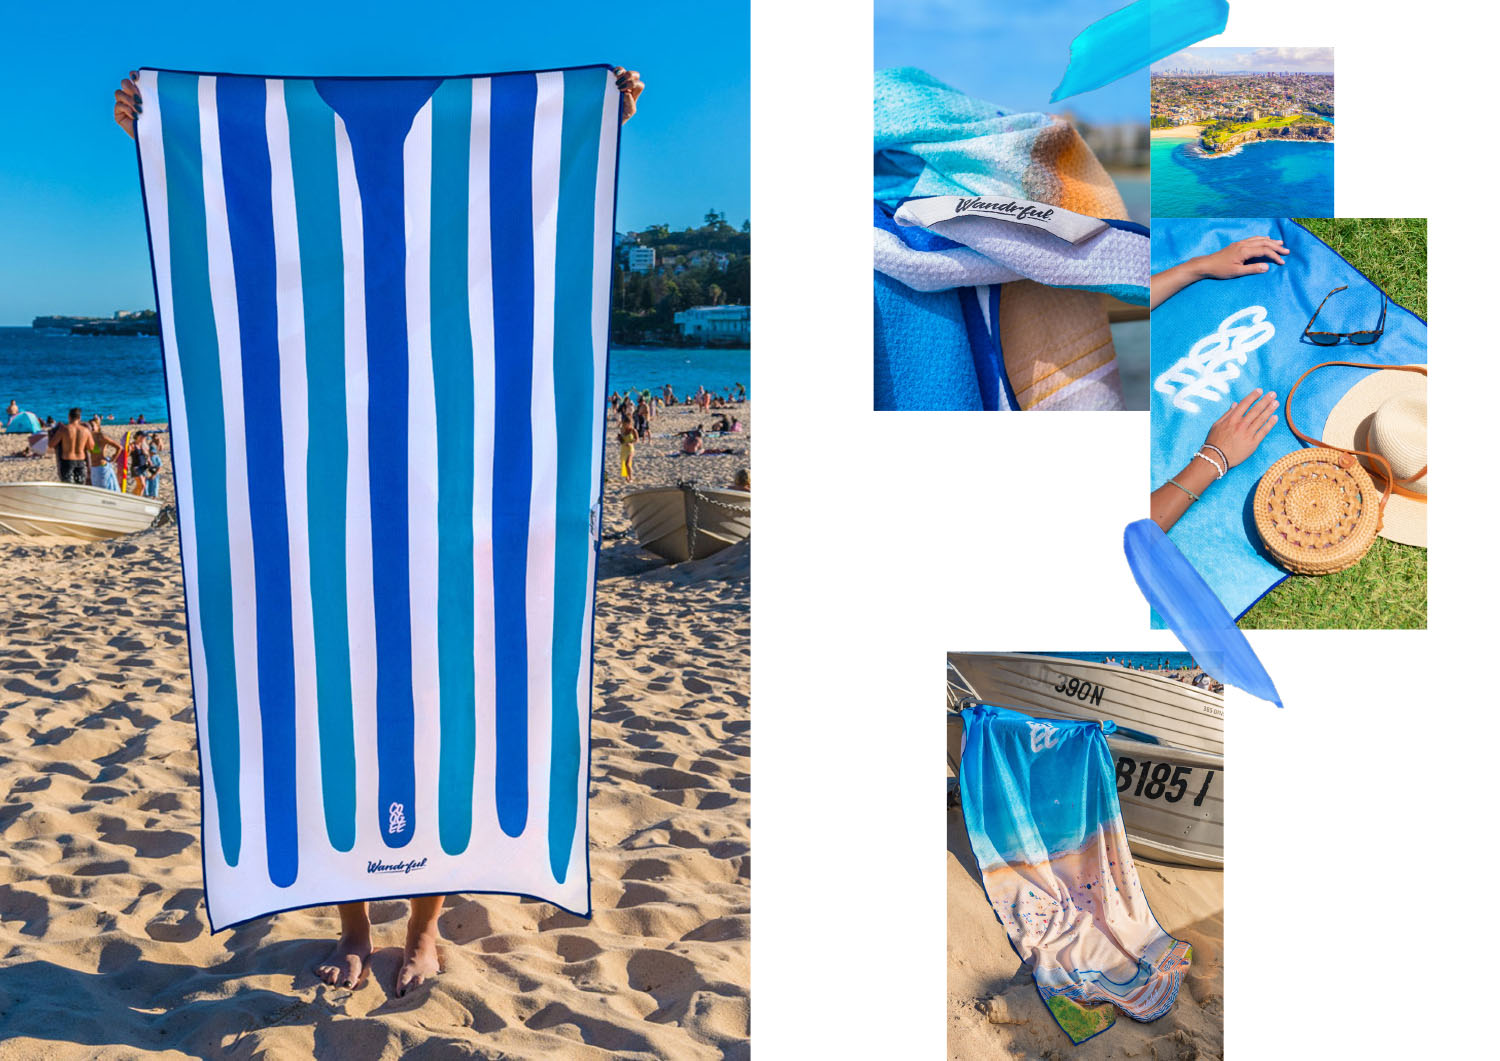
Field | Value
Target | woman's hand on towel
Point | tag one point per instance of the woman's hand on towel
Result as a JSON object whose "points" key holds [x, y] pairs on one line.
{"points": [[1237, 259], [128, 104], [1238, 432], [1231, 440], [631, 86]]}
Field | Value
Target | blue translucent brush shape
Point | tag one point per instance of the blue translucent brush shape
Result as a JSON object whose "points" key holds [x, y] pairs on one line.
{"points": [[1135, 36], [1195, 614]]}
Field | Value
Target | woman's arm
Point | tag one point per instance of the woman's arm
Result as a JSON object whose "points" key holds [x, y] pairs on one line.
{"points": [[1234, 436], [1234, 260]]}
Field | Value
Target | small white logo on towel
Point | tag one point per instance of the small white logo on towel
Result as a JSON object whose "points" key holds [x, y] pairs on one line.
{"points": [[1214, 361], [398, 818], [1042, 736]]}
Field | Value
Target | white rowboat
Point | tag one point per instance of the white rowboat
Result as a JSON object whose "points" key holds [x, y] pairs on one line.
{"points": [[72, 511], [688, 522], [1168, 748]]}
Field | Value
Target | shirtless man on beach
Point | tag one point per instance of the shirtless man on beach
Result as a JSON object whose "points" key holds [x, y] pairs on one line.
{"points": [[350, 961], [72, 442]]}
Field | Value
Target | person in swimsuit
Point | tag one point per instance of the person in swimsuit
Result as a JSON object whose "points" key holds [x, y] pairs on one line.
{"points": [[153, 468], [102, 465], [140, 465], [72, 441], [627, 439], [349, 963]]}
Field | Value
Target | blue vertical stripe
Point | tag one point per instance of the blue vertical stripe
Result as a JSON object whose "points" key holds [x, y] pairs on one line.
{"points": [[377, 116], [252, 241], [512, 117], [1011, 401], [198, 356], [577, 420], [453, 389], [982, 347], [320, 244]]}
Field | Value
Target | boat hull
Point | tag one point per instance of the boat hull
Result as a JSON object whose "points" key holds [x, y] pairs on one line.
{"points": [[661, 516], [1171, 794], [72, 511]]}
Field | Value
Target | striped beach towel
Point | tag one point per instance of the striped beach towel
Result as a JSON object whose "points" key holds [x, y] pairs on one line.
{"points": [[1044, 824], [390, 642]]}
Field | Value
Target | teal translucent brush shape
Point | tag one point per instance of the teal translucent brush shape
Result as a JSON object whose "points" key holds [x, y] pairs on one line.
{"points": [[1136, 36]]}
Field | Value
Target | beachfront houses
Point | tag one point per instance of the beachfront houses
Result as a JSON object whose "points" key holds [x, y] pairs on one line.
{"points": [[714, 324], [642, 259]]}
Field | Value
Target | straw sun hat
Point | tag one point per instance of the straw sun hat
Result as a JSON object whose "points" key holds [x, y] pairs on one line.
{"points": [[1386, 413]]}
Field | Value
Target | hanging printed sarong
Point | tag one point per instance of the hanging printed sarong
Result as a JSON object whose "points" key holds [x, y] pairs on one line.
{"points": [[1044, 824], [384, 308]]}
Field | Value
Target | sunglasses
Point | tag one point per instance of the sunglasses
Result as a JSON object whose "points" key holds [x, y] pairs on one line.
{"points": [[1334, 338]]}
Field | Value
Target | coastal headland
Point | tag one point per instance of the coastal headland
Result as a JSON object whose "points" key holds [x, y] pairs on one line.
{"points": [[1224, 137]]}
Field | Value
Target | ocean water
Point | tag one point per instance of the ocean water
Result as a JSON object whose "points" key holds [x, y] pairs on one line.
{"points": [[1150, 660], [121, 376], [1266, 178]]}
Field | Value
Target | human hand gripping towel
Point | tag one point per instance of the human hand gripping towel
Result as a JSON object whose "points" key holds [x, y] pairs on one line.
{"points": [[391, 646], [1043, 819]]}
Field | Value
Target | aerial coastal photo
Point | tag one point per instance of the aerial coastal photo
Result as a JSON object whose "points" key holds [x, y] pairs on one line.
{"points": [[1242, 132]]}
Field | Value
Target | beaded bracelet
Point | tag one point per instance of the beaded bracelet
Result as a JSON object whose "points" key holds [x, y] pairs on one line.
{"points": [[1184, 489], [1206, 457], [1216, 449]]}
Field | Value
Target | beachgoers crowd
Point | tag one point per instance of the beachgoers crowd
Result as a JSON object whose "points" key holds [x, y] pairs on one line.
{"points": [[1193, 676], [635, 409], [87, 456]]}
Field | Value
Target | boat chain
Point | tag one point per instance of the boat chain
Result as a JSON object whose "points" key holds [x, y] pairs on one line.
{"points": [[696, 497]]}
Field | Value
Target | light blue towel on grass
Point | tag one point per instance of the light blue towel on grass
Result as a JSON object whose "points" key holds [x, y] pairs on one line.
{"points": [[1259, 322]]}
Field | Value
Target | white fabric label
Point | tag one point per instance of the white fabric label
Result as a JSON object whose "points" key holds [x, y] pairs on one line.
{"points": [[1075, 228]]}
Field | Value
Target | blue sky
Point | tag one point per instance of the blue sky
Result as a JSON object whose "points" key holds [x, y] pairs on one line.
{"points": [[1010, 53], [72, 238]]}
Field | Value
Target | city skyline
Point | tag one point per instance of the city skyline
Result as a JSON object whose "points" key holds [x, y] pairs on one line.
{"points": [[1215, 61]]}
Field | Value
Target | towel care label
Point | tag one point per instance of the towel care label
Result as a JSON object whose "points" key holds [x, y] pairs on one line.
{"points": [[1075, 228]]}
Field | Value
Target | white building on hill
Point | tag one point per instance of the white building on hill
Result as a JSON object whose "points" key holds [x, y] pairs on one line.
{"points": [[714, 322], [642, 259]]}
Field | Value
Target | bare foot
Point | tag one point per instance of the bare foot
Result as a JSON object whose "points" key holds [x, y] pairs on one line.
{"points": [[350, 961], [421, 961]]}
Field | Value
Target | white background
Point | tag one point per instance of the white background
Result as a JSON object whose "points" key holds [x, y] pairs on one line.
{"points": [[1359, 894]]}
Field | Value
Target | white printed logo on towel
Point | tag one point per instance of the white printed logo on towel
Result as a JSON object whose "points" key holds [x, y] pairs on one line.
{"points": [[398, 818], [1214, 361], [1042, 736]]}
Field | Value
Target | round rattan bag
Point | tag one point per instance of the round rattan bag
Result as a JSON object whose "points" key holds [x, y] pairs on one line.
{"points": [[1318, 509]]}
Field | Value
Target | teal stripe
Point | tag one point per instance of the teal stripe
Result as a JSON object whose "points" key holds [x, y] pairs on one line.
{"points": [[320, 246], [453, 386], [577, 419], [198, 355]]}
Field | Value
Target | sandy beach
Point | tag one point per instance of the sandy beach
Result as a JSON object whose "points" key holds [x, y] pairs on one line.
{"points": [[993, 1008], [1180, 132], [106, 951]]}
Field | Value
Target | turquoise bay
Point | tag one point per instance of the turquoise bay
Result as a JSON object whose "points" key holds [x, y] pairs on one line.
{"points": [[1266, 178]]}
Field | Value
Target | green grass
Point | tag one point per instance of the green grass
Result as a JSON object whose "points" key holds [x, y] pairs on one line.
{"points": [[1221, 131], [1080, 1022], [1387, 589]]}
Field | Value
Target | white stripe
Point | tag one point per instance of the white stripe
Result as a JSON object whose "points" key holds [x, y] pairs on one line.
{"points": [[482, 331], [542, 534], [576, 881], [357, 527], [148, 130], [422, 475], [221, 285], [982, 294], [292, 348]]}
